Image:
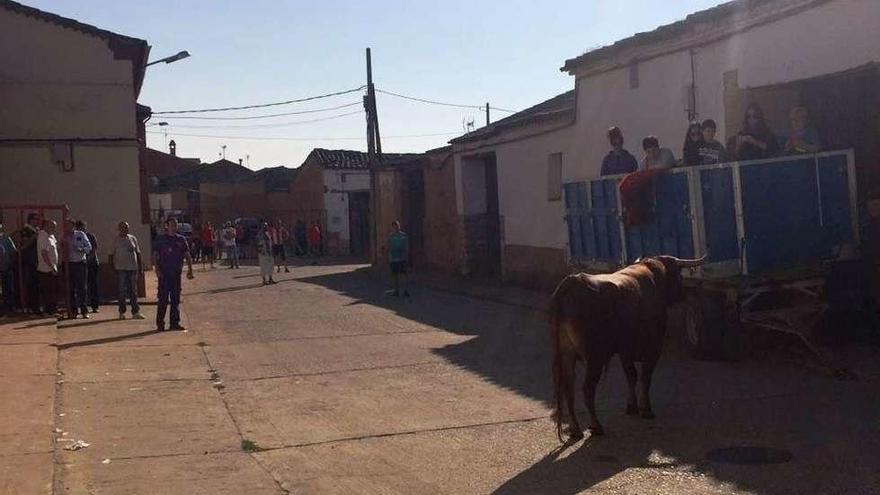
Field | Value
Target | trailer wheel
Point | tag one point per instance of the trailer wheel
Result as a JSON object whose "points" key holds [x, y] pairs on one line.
{"points": [[705, 326]]}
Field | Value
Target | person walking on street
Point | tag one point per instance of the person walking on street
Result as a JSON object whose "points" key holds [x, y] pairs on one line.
{"points": [[27, 237], [92, 265], [398, 256], [170, 251], [7, 283], [264, 254], [230, 244], [279, 236], [78, 248], [126, 261], [47, 268], [207, 235]]}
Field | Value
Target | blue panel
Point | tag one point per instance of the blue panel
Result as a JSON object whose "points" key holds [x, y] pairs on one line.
{"points": [[605, 219], [719, 214], [836, 215], [670, 231], [781, 214]]}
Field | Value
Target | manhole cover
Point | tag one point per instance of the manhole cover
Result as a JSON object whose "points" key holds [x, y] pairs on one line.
{"points": [[749, 455]]}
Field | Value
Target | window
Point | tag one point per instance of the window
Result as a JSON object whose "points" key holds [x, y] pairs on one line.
{"points": [[554, 177], [634, 75]]}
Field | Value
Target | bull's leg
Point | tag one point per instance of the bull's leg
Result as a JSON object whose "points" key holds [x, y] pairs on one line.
{"points": [[594, 372], [647, 372], [568, 376], [632, 376]]}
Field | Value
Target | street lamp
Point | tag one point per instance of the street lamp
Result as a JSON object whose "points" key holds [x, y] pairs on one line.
{"points": [[174, 58]]}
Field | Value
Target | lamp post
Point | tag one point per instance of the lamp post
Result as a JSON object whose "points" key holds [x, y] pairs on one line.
{"points": [[173, 58]]}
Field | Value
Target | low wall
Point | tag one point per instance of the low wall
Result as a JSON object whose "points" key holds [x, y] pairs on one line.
{"points": [[534, 267]]}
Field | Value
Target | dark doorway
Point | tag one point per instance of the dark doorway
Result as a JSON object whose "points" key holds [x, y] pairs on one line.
{"points": [[482, 222], [359, 223], [413, 212]]}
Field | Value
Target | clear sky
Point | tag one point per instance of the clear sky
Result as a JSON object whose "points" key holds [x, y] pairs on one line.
{"points": [[505, 52]]}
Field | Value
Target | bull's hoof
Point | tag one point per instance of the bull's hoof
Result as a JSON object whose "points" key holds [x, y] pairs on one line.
{"points": [[574, 435], [647, 414], [632, 410], [596, 431]]}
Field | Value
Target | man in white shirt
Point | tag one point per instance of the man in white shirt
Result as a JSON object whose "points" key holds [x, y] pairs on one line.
{"points": [[78, 250], [47, 267], [231, 245], [126, 260], [655, 156]]}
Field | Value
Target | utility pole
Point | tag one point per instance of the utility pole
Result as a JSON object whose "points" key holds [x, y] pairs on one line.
{"points": [[374, 141], [487, 113], [374, 146]]}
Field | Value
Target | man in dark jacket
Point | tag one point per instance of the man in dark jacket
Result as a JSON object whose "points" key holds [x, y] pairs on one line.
{"points": [[91, 266]]}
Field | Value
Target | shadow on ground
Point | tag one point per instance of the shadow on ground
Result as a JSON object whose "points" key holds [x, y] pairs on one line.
{"points": [[702, 408]]}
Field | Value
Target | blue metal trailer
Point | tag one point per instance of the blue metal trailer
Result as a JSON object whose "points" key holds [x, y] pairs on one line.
{"points": [[772, 230]]}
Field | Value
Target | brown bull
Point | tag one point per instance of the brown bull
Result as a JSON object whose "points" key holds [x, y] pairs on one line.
{"points": [[594, 317]]}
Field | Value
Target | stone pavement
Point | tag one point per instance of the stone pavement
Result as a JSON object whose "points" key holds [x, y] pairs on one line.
{"points": [[322, 384]]}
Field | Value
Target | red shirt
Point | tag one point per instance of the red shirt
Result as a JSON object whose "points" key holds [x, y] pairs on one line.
{"points": [[314, 235], [207, 236]]}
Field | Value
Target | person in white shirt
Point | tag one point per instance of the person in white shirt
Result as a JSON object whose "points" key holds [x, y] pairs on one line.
{"points": [[47, 267], [126, 260], [78, 249], [230, 244]]}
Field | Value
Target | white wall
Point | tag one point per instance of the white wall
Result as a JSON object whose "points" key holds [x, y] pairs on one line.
{"points": [[530, 219], [832, 37], [339, 183]]}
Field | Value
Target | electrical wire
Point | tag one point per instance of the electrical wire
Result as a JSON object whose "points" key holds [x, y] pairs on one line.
{"points": [[263, 126], [253, 117], [445, 104], [263, 105], [269, 138]]}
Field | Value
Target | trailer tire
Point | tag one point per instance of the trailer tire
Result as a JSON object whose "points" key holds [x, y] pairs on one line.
{"points": [[705, 325]]}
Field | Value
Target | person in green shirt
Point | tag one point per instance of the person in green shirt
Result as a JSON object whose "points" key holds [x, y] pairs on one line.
{"points": [[398, 256]]}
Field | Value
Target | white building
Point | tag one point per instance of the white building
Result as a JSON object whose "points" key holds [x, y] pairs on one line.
{"points": [[820, 54]]}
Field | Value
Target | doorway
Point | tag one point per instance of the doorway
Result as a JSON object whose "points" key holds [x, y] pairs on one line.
{"points": [[359, 223], [482, 220]]}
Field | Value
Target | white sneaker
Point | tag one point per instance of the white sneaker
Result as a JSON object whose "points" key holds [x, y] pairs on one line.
{"points": [[121, 316], [137, 316]]}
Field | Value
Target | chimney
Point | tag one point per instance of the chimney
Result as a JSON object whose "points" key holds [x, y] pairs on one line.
{"points": [[172, 148], [240, 162]]}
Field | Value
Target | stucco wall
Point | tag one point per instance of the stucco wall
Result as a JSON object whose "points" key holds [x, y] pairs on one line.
{"points": [[832, 37], [98, 190], [60, 83]]}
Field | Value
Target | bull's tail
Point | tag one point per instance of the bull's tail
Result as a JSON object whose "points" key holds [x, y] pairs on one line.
{"points": [[557, 375], [555, 336]]}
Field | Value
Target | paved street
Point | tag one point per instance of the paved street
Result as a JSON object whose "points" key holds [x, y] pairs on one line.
{"points": [[322, 384]]}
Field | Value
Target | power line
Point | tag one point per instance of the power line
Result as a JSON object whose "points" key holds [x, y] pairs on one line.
{"points": [[256, 126], [270, 138], [252, 117], [263, 105], [445, 104]]}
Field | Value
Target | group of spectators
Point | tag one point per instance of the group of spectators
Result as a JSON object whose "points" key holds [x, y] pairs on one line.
{"points": [[31, 259], [755, 140], [236, 242]]}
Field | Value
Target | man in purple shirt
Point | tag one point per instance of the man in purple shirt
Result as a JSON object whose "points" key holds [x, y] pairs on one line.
{"points": [[169, 252], [618, 160]]}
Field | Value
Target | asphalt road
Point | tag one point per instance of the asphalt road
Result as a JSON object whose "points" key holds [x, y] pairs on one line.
{"points": [[330, 386]]}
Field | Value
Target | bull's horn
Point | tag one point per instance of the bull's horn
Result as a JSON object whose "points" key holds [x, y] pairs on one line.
{"points": [[690, 263]]}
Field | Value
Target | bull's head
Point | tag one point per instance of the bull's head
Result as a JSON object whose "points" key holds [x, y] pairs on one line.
{"points": [[674, 286]]}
